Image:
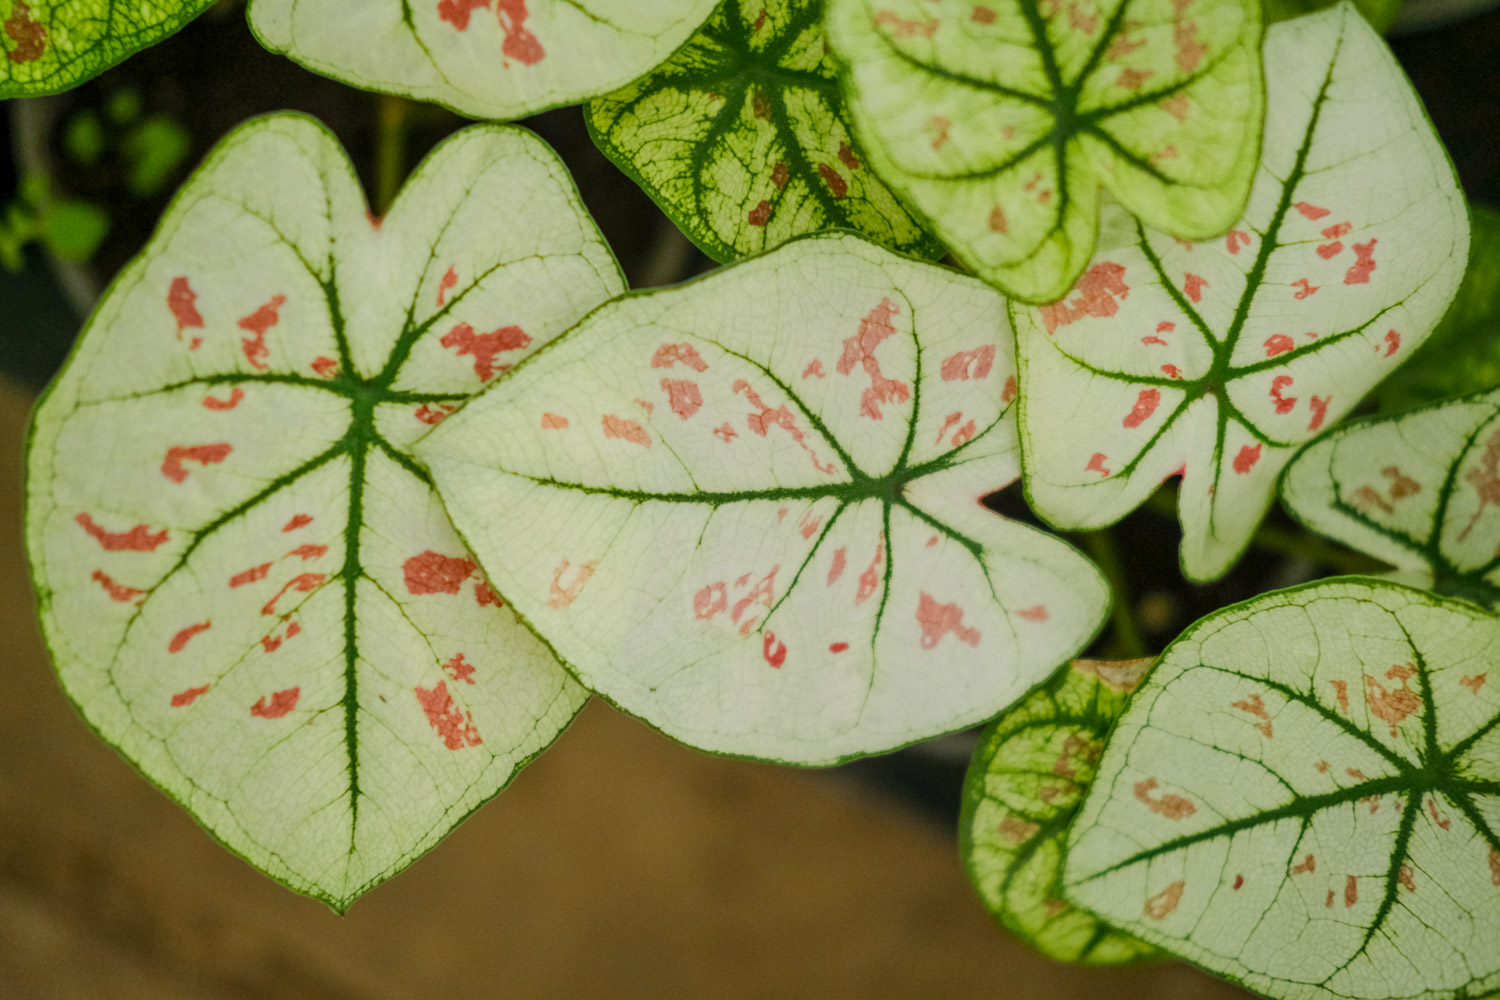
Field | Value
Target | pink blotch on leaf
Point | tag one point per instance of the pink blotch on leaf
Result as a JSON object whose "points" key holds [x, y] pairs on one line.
{"points": [[434, 573], [1153, 339], [761, 422], [1246, 459], [1096, 464], [1312, 212], [433, 414], [1145, 405], [457, 13], [250, 575], [685, 397], [303, 584], [117, 592], [1236, 240], [308, 552], [235, 395], [847, 157], [625, 430], [325, 367], [454, 727], [180, 640], [1319, 406], [1284, 404], [1330, 250], [485, 347], [181, 300], [257, 323], [964, 365], [668, 355], [840, 558], [1392, 343], [814, 369], [183, 698], [938, 620], [203, 454], [725, 433], [860, 349], [1306, 288], [560, 594], [459, 670], [1011, 388], [870, 578], [520, 44], [837, 186], [1171, 371], [773, 650], [300, 521], [485, 597], [1038, 613], [1096, 296], [838, 647], [1279, 343], [449, 282], [553, 422], [1192, 287], [1364, 263], [138, 539]]}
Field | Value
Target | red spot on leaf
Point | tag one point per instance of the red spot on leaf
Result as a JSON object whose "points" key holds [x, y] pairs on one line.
{"points": [[1333, 232], [449, 282], [1011, 388], [300, 521], [257, 323], [1153, 339], [1474, 683], [520, 44], [434, 573], [625, 430], [847, 157], [760, 214], [1309, 864], [203, 454], [1236, 240], [1192, 287], [668, 355], [1284, 404], [1392, 705], [1096, 464], [433, 414], [180, 640], [553, 422], [1330, 250], [325, 367], [183, 698], [860, 349], [1364, 263], [1171, 371], [870, 578], [1239, 880], [725, 433], [1096, 296], [773, 650], [761, 422], [1246, 459], [1171, 806], [1392, 342], [250, 575], [685, 398], [138, 539], [938, 620], [964, 365], [484, 596], [304, 584], [121, 593], [308, 552], [1319, 406], [560, 594], [454, 727], [780, 174], [457, 13], [814, 369], [1145, 405], [711, 600], [837, 569], [28, 33], [1037, 613], [235, 395], [1279, 343], [484, 347], [181, 299], [1310, 211], [1351, 890], [810, 526], [459, 670], [1305, 287]]}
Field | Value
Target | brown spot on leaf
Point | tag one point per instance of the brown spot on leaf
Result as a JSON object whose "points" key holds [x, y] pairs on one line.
{"points": [[1171, 806], [1307, 865], [1017, 830], [1392, 706], [1161, 905], [28, 34]]}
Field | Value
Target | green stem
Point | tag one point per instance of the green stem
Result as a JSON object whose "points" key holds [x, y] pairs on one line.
{"points": [[1101, 547], [390, 150]]}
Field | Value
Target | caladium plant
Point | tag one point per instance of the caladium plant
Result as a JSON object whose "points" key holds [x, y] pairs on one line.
{"points": [[1304, 797], [747, 509], [497, 59], [1024, 786], [742, 139], [53, 45], [1000, 120], [247, 584], [1216, 361], [1418, 490]]}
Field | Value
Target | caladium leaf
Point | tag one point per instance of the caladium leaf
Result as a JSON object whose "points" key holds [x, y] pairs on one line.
{"points": [[1000, 120], [1304, 797], [1417, 490], [248, 585], [1217, 360], [487, 58], [1023, 788], [750, 506], [1463, 353], [742, 139], [52, 45]]}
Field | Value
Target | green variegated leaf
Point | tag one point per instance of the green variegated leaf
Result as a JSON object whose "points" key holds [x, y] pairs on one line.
{"points": [[487, 58], [1304, 797], [741, 137], [1023, 788], [1380, 13], [1418, 490], [1217, 360], [1000, 120], [248, 585], [747, 509], [1463, 353], [52, 45]]}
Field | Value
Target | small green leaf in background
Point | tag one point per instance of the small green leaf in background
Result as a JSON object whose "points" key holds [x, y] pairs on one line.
{"points": [[750, 506], [1217, 360], [999, 121], [74, 228], [1304, 797], [1023, 788], [247, 584], [1380, 13], [741, 137], [499, 59], [155, 149], [83, 138], [52, 45], [1463, 353], [1420, 490]]}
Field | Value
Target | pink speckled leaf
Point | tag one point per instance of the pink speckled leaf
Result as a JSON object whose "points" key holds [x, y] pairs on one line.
{"points": [[1218, 360]]}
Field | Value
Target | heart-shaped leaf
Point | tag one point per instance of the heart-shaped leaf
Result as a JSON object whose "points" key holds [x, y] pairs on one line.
{"points": [[487, 58], [1216, 361], [1304, 797], [750, 506], [741, 137], [247, 584], [1463, 353], [1023, 788], [52, 45], [1000, 120], [1418, 490]]}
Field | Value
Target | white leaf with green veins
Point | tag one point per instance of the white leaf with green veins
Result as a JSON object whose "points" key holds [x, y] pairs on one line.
{"points": [[247, 584], [1000, 120], [1217, 360], [52, 45], [742, 139], [498, 59], [1304, 797], [747, 509], [1418, 490], [1023, 788]]}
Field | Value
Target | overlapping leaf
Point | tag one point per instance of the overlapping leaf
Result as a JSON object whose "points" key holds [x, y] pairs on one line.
{"points": [[1023, 788], [247, 584], [1216, 361], [741, 137], [1463, 353], [1304, 796], [1418, 490], [1380, 13], [1000, 120], [488, 58], [747, 509], [51, 45]]}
